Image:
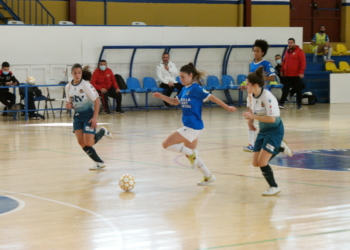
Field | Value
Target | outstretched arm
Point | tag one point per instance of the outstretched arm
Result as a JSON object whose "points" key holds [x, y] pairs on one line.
{"points": [[172, 101], [221, 103]]}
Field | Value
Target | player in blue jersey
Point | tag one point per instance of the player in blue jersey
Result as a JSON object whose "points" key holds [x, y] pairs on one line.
{"points": [[260, 48], [82, 96], [264, 108], [191, 99]]}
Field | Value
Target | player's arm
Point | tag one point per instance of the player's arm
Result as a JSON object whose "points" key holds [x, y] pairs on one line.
{"points": [[69, 104], [221, 103], [172, 101], [265, 118], [270, 78]]}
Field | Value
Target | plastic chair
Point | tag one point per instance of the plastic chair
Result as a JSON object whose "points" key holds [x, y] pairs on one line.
{"points": [[134, 85], [229, 82], [178, 79], [15, 22], [138, 23], [65, 23], [341, 49], [214, 84], [241, 78], [150, 84], [344, 66], [330, 66], [55, 94]]}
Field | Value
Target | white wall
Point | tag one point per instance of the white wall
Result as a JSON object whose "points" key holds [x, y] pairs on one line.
{"points": [[45, 51], [339, 88]]}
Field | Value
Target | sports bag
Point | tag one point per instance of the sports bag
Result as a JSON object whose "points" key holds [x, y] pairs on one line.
{"points": [[120, 81]]}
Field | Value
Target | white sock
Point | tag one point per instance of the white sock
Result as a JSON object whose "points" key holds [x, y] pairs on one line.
{"points": [[324, 57], [179, 148], [329, 53], [251, 137], [203, 168]]}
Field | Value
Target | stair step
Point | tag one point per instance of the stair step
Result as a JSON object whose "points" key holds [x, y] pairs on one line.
{"points": [[315, 67]]}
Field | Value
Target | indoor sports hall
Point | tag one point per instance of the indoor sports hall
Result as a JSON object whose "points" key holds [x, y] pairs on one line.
{"points": [[49, 199]]}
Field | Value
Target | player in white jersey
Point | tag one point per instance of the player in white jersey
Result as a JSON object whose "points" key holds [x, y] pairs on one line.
{"points": [[264, 108], [191, 99], [260, 49], [83, 98]]}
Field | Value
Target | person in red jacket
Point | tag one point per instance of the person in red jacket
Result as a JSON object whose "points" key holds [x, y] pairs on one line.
{"points": [[293, 67], [104, 82]]}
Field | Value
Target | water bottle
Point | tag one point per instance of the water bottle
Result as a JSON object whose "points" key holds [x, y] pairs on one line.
{"points": [[231, 83]]}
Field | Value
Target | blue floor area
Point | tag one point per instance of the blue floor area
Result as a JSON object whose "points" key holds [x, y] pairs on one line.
{"points": [[7, 204], [330, 159]]}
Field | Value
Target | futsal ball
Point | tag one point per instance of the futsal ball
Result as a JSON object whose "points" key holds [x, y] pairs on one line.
{"points": [[127, 182], [31, 80]]}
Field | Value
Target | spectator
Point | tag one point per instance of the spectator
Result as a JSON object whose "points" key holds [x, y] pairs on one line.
{"points": [[7, 79], [32, 93], [278, 67], [104, 82], [166, 73], [293, 67], [320, 44]]}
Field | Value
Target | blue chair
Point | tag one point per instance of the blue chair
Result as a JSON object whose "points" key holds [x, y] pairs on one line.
{"points": [[229, 82], [214, 84], [241, 78], [36, 99], [150, 84], [178, 79], [134, 86]]}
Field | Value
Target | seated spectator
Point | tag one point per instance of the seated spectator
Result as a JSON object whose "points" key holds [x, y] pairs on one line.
{"points": [[320, 44], [278, 67], [166, 73], [32, 93], [104, 82], [7, 79]]}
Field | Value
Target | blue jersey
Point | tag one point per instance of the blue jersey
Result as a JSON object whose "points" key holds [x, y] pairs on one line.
{"points": [[191, 99], [268, 69]]}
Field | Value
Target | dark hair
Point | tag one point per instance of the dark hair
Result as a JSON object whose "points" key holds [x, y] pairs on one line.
{"points": [[5, 64], [191, 69], [86, 73], [166, 53], [257, 77], [262, 44], [278, 55], [291, 39], [102, 61], [322, 25]]}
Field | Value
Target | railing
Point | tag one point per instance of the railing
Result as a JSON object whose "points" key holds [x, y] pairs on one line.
{"points": [[26, 110], [29, 11]]}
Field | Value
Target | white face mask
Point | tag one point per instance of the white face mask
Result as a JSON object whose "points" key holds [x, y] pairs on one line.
{"points": [[278, 61], [103, 67]]}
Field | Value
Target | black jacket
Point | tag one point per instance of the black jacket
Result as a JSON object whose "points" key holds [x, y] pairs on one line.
{"points": [[7, 78]]}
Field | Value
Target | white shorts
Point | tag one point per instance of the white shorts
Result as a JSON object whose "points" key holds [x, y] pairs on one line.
{"points": [[189, 133]]}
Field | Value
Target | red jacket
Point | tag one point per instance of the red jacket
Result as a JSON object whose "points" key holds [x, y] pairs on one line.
{"points": [[294, 62], [103, 79]]}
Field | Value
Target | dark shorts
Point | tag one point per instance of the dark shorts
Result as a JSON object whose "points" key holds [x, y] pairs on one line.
{"points": [[81, 121], [270, 139]]}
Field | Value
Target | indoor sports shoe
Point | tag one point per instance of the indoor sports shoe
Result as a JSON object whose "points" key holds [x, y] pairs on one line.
{"points": [[98, 166], [248, 148], [287, 150], [271, 191], [193, 158], [206, 180], [108, 134]]}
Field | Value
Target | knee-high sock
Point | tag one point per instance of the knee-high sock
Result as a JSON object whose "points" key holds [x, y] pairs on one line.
{"points": [[99, 135], [203, 168], [251, 137], [178, 148], [268, 174], [329, 53], [90, 151]]}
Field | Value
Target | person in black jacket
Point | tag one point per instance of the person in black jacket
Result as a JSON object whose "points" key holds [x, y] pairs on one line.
{"points": [[7, 79]]}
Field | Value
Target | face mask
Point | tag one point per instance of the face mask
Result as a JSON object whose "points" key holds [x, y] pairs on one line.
{"points": [[321, 31], [102, 67], [5, 72], [278, 61]]}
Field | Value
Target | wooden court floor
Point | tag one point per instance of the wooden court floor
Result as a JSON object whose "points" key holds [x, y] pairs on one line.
{"points": [[63, 205]]}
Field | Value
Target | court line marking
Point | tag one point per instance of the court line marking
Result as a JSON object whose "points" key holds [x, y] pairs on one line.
{"points": [[117, 232], [21, 204], [278, 239]]}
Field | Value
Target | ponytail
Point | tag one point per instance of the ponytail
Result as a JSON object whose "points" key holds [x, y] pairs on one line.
{"points": [[86, 73]]}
